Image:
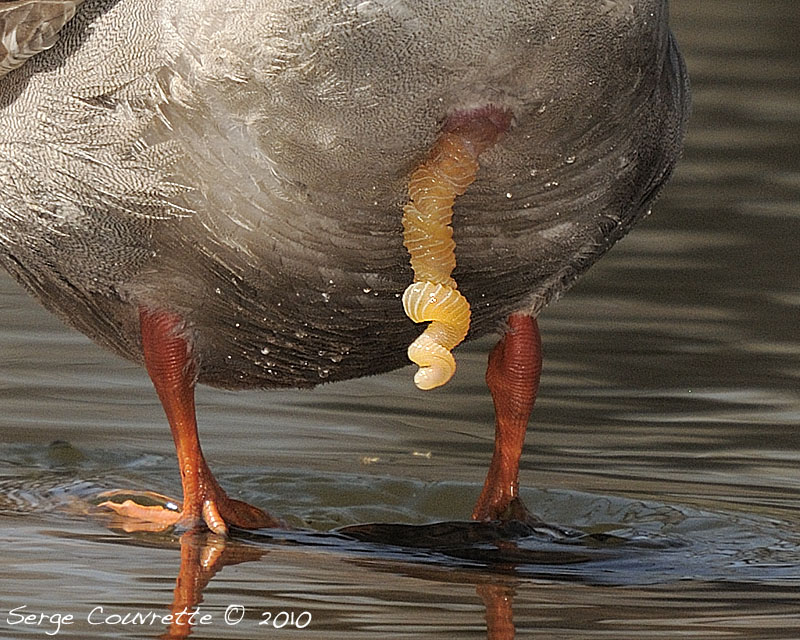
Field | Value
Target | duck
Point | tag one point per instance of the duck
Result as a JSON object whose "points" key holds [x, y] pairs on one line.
{"points": [[280, 194]]}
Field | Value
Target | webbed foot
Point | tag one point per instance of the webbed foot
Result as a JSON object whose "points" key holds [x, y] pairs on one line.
{"points": [[150, 511]]}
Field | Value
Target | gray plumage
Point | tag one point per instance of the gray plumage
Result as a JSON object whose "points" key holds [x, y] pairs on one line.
{"points": [[244, 164], [30, 26]]}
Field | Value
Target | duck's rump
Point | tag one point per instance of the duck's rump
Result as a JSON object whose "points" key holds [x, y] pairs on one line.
{"points": [[272, 226]]}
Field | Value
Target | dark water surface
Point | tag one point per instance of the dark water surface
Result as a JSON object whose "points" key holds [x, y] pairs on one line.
{"points": [[667, 427]]}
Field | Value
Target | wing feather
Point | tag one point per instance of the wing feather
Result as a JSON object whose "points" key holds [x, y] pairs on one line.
{"points": [[30, 26]]}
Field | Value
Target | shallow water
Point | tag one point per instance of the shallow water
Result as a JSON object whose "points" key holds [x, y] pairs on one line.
{"points": [[666, 428]]}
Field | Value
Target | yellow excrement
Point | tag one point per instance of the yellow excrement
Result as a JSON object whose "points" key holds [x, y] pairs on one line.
{"points": [[428, 236]]}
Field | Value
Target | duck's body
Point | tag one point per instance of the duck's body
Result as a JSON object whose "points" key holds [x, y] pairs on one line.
{"points": [[244, 168], [247, 168]]}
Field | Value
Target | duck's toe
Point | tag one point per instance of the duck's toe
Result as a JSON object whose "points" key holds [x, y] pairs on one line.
{"points": [[142, 510], [220, 511], [150, 511]]}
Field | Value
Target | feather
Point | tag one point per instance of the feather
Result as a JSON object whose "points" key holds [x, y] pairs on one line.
{"points": [[28, 27]]}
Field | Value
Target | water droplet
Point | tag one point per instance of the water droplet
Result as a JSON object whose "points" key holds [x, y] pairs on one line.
{"points": [[323, 373], [237, 325], [533, 172], [367, 289], [551, 184], [570, 159], [509, 195], [336, 358], [326, 297], [218, 291], [265, 350]]}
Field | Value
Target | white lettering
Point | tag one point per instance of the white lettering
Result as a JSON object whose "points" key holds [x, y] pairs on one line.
{"points": [[99, 611], [191, 617], [56, 620]]}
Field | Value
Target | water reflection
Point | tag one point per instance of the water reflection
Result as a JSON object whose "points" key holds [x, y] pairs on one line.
{"points": [[494, 557], [618, 542], [204, 554]]}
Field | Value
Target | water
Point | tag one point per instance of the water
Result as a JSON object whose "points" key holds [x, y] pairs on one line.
{"points": [[666, 429]]}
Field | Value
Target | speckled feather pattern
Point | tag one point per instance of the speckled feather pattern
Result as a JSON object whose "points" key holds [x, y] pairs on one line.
{"points": [[28, 27], [246, 166]]}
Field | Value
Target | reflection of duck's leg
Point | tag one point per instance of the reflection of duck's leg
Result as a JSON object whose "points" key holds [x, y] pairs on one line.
{"points": [[498, 600], [171, 366], [513, 378], [203, 554], [201, 558]]}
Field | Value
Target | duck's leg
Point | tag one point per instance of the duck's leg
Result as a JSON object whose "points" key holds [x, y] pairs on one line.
{"points": [[169, 362], [513, 378]]}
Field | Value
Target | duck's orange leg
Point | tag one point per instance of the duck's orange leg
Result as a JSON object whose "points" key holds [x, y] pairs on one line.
{"points": [[513, 373], [169, 362]]}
